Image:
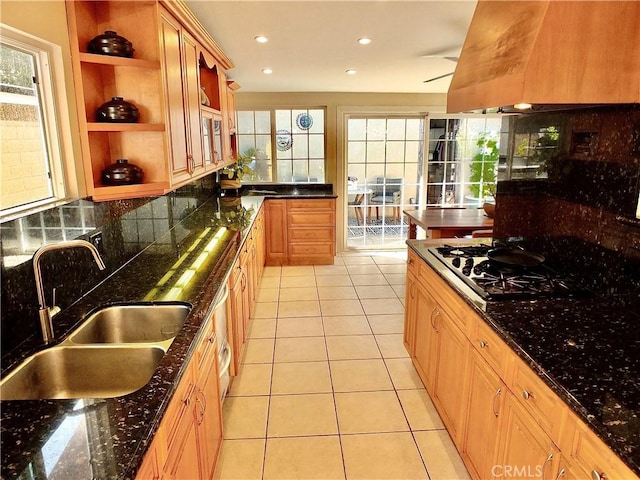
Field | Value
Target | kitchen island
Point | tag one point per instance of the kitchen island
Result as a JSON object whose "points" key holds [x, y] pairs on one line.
{"points": [[579, 353]]}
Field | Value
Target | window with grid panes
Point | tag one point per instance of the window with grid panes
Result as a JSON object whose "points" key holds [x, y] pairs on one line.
{"points": [[287, 145], [32, 174]]}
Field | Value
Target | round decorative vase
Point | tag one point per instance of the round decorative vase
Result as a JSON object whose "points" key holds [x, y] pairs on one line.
{"points": [[122, 173], [204, 98], [489, 209], [117, 110], [230, 201], [110, 43], [230, 184]]}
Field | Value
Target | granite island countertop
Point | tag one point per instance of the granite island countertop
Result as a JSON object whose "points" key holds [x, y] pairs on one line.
{"points": [[586, 349], [107, 438]]}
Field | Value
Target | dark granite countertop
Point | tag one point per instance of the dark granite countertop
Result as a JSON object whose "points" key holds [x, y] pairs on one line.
{"points": [[107, 438], [290, 190], [586, 349]]}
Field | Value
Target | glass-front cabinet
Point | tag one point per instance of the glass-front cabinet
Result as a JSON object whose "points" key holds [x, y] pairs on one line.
{"points": [[211, 137]]}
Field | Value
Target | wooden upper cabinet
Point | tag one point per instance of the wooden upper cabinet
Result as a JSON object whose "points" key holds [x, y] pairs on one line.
{"points": [[213, 79], [99, 78], [181, 83], [162, 80]]}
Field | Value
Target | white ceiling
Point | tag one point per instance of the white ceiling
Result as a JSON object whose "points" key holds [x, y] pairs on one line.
{"points": [[312, 43]]}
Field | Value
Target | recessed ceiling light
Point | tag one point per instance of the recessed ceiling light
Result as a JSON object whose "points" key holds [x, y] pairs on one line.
{"points": [[267, 71], [261, 39], [351, 71], [364, 41]]}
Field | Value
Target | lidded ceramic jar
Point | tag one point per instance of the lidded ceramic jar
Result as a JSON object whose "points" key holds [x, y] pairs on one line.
{"points": [[117, 110], [122, 173], [110, 43]]}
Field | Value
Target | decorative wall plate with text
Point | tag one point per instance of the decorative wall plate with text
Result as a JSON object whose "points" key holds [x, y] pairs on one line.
{"points": [[284, 140]]}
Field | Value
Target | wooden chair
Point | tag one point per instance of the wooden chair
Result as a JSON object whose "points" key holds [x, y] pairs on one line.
{"points": [[386, 193]]}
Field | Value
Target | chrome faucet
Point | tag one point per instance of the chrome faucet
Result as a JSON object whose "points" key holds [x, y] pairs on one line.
{"points": [[47, 313]]}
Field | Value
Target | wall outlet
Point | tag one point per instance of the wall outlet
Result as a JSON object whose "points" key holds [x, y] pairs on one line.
{"points": [[96, 241]]}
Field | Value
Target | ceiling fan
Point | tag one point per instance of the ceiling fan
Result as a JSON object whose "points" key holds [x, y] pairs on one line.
{"points": [[449, 55]]}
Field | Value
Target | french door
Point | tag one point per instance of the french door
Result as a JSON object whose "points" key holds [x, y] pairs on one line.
{"points": [[384, 157]]}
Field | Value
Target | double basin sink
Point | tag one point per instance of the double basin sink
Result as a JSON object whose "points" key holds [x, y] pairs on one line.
{"points": [[114, 352]]}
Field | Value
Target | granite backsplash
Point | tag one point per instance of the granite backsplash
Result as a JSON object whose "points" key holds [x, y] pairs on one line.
{"points": [[582, 216], [126, 228]]}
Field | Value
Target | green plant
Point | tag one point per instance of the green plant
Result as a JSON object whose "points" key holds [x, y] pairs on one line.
{"points": [[484, 167], [237, 217], [242, 166]]}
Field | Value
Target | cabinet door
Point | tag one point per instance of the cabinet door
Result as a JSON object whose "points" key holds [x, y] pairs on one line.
{"points": [[183, 459], [191, 96], [524, 448], [483, 414], [450, 382], [176, 123], [276, 232], [410, 314], [426, 342], [149, 470], [236, 315], [208, 413], [181, 73]]}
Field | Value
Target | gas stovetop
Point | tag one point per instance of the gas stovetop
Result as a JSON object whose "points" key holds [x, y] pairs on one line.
{"points": [[496, 281]]}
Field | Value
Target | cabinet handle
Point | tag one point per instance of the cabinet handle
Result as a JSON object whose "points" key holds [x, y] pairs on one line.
{"points": [[203, 407], [187, 401], [544, 465], [595, 475], [435, 314], [483, 344], [412, 290], [526, 395], [561, 473], [495, 397]]}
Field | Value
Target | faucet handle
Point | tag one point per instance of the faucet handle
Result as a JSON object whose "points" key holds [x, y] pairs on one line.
{"points": [[54, 309]]}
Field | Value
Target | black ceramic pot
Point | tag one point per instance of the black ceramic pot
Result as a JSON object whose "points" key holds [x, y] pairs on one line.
{"points": [[117, 110], [122, 173], [110, 43]]}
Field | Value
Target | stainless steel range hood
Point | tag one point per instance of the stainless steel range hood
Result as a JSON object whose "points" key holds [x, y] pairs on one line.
{"points": [[548, 52]]}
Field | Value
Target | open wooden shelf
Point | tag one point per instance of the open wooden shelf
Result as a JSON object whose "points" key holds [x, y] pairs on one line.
{"points": [[117, 61], [152, 189], [125, 127]]}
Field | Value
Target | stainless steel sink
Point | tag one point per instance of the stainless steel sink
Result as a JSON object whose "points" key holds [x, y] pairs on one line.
{"points": [[98, 371], [132, 323]]}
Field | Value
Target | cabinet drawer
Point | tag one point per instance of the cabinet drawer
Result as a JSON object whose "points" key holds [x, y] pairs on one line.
{"points": [[311, 204], [412, 263], [205, 345], [449, 300], [324, 218], [311, 249], [539, 400], [589, 455], [490, 347], [316, 235]]}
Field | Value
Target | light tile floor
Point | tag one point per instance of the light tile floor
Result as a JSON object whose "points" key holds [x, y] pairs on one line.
{"points": [[327, 389]]}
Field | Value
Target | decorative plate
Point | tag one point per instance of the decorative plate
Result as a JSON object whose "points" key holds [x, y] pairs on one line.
{"points": [[284, 140], [304, 121]]}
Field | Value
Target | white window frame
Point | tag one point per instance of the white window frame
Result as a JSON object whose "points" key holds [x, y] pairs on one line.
{"points": [[55, 115], [273, 135]]}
